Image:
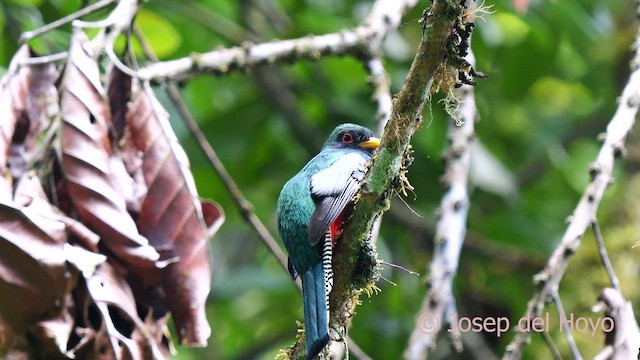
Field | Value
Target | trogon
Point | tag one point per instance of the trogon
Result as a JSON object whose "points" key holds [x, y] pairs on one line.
{"points": [[311, 209]]}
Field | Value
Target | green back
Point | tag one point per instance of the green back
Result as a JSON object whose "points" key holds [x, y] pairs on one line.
{"points": [[295, 208]]}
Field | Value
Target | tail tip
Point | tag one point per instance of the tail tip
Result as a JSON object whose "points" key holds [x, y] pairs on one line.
{"points": [[316, 346]]}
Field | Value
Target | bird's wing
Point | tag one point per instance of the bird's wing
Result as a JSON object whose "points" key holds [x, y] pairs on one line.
{"points": [[332, 189]]}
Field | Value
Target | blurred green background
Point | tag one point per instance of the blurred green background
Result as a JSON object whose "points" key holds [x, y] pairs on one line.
{"points": [[555, 72]]}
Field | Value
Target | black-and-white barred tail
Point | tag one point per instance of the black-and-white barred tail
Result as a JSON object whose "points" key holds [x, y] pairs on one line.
{"points": [[327, 251]]}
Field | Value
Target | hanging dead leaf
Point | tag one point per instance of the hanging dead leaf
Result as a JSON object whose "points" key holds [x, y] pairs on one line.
{"points": [[26, 95], [33, 269], [213, 216], [29, 192], [128, 335], [171, 216], [132, 184], [119, 94], [52, 335], [86, 164]]}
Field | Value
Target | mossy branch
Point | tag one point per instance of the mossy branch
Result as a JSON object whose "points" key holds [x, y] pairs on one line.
{"points": [[355, 261]]}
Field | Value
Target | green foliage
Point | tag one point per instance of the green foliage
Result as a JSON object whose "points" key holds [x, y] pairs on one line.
{"points": [[554, 75]]}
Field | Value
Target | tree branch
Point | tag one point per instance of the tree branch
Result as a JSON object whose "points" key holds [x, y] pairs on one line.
{"points": [[562, 314], [450, 228], [384, 17], [26, 36], [379, 81], [615, 283], [585, 212], [624, 341], [354, 262]]}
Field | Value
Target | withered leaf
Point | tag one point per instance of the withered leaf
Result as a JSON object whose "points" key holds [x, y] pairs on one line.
{"points": [[129, 336], [29, 192], [171, 216], [33, 269], [26, 95], [119, 94], [86, 164], [213, 216]]}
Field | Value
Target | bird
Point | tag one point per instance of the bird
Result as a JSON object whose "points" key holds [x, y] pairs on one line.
{"points": [[310, 212]]}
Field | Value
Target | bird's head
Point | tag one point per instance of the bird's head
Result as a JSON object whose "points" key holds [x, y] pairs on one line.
{"points": [[352, 136]]}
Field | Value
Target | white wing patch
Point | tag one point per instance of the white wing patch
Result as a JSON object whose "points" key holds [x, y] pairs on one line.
{"points": [[332, 189]]}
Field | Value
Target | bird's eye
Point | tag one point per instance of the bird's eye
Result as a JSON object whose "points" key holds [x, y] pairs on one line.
{"points": [[347, 138]]}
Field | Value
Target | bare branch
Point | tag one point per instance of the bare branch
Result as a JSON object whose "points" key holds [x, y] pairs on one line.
{"points": [[118, 22], [604, 257], [26, 36], [356, 351], [384, 17], [565, 325], [623, 341], [585, 212], [451, 225], [379, 80], [552, 347]]}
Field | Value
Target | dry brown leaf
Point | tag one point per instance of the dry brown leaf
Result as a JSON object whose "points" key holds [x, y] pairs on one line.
{"points": [[213, 216], [52, 335], [33, 269], [86, 164], [119, 94], [27, 94], [14, 88], [171, 216], [29, 192], [128, 335], [51, 328]]}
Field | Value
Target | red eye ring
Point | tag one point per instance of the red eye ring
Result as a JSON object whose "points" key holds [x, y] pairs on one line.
{"points": [[347, 138]]}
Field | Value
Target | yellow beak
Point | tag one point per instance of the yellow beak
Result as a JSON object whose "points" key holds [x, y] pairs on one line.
{"points": [[371, 143]]}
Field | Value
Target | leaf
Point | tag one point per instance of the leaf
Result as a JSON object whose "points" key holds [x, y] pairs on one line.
{"points": [[52, 335], [172, 217], [32, 257], [129, 337], [51, 328], [213, 216], [29, 192], [86, 164], [26, 96], [12, 102], [119, 94], [33, 269]]}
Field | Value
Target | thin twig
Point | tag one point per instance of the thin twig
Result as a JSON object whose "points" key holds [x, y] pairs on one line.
{"points": [[39, 60], [356, 351], [117, 63], [245, 207], [28, 35], [552, 347], [601, 172], [399, 267], [565, 326], [118, 21], [604, 257]]}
